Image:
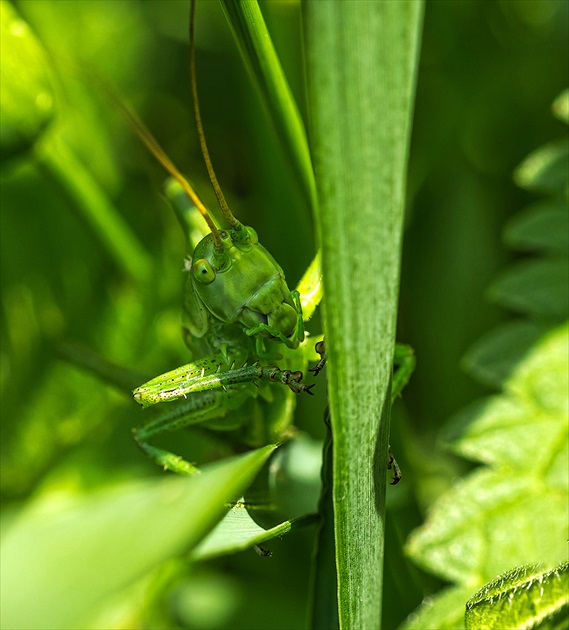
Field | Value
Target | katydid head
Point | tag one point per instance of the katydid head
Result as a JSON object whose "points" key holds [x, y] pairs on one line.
{"points": [[243, 283], [233, 275]]}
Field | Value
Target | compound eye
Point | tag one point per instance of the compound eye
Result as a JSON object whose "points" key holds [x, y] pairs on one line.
{"points": [[203, 271]]}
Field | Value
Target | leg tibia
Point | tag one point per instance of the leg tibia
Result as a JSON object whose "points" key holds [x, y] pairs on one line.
{"points": [[167, 460], [184, 381], [197, 376], [199, 407]]}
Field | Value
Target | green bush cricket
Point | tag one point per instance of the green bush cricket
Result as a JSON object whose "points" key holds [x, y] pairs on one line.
{"points": [[240, 318], [241, 321]]}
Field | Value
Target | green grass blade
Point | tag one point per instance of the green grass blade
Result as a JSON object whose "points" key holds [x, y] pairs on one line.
{"points": [[92, 202], [259, 53], [324, 604], [361, 66], [124, 379]]}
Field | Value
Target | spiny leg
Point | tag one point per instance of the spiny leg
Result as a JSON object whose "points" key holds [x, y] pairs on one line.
{"points": [[206, 397], [210, 374], [197, 408]]}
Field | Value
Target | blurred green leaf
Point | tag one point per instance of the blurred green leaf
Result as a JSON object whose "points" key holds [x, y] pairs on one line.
{"points": [[27, 98], [546, 169], [542, 227], [561, 106], [92, 202], [291, 487], [502, 430], [492, 520], [444, 611], [112, 537], [515, 511], [535, 287], [495, 356], [521, 598]]}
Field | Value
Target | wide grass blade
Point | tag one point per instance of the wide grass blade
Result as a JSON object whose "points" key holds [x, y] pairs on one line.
{"points": [[361, 66], [59, 566]]}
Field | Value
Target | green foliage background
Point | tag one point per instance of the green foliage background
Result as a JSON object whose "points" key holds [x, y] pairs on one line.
{"points": [[488, 75]]}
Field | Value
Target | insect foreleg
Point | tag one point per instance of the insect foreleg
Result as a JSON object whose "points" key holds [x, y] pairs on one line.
{"points": [[214, 401], [199, 407], [298, 333], [189, 379], [321, 350]]}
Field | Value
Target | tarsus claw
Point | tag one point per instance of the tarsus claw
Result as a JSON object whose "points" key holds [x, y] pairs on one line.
{"points": [[308, 389], [321, 350]]}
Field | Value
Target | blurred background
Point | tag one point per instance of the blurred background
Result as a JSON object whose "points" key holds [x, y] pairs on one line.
{"points": [[488, 75]]}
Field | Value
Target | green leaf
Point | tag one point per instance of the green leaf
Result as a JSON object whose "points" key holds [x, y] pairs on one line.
{"points": [[443, 611], [491, 520], [360, 132], [539, 377], [502, 430], [238, 531], [323, 611], [514, 511], [561, 106], [84, 552], [521, 598], [27, 99], [494, 357], [543, 227], [275, 504], [258, 52], [535, 287], [546, 169]]}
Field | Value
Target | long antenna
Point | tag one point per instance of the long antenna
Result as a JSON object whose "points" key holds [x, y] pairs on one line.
{"points": [[152, 145], [233, 222], [144, 134]]}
